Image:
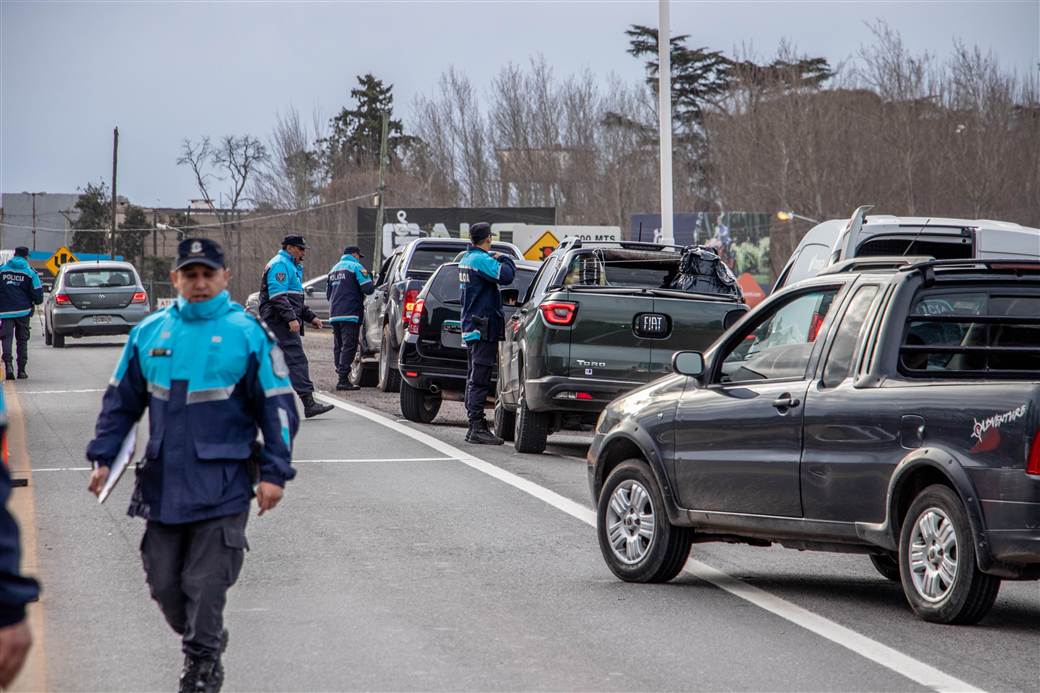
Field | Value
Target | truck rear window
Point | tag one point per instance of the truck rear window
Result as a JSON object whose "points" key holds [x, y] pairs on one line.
{"points": [[984, 333], [638, 270]]}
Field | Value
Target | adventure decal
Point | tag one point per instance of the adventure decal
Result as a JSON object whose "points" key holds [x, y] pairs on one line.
{"points": [[987, 431]]}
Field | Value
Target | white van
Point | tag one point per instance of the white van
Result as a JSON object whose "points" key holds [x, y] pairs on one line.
{"points": [[885, 235]]}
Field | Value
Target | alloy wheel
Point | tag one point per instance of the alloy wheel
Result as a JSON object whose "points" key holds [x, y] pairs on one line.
{"points": [[631, 522], [933, 555]]}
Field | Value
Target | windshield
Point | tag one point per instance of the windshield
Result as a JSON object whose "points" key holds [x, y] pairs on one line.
{"points": [[621, 270]]}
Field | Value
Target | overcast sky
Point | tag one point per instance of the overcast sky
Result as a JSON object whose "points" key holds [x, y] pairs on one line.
{"points": [[161, 71]]}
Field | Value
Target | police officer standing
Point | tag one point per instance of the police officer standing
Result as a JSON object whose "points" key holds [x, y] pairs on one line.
{"points": [[15, 590], [283, 308], [346, 288], [20, 291], [483, 324], [211, 377]]}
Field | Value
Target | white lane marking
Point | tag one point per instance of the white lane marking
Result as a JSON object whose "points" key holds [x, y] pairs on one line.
{"points": [[366, 459], [860, 644], [384, 459], [55, 392]]}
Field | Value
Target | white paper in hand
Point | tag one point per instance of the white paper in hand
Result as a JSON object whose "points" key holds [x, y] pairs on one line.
{"points": [[119, 465]]}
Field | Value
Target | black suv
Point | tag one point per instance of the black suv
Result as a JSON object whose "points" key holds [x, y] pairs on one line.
{"points": [[389, 308], [433, 358], [893, 412]]}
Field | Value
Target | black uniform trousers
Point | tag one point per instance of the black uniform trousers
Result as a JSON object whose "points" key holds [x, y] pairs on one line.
{"points": [[345, 344], [480, 361], [16, 329], [189, 568], [291, 345]]}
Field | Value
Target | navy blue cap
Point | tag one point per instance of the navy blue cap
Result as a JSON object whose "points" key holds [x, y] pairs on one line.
{"points": [[351, 249], [294, 240], [479, 231], [200, 251], [21, 251]]}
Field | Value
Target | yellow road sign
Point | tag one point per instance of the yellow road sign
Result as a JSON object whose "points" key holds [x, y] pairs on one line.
{"points": [[60, 257], [543, 247]]}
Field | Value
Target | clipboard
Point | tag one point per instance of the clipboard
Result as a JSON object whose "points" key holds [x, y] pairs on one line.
{"points": [[120, 464]]}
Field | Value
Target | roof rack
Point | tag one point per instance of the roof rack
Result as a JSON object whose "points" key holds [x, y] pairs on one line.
{"points": [[1009, 263], [858, 264], [575, 242]]}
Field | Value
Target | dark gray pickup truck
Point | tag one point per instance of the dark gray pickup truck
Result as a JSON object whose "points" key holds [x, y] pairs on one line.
{"points": [[890, 411]]}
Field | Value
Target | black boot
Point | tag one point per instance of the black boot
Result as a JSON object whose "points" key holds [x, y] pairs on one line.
{"points": [[201, 675], [9, 370], [345, 384], [312, 408], [22, 374], [479, 434]]}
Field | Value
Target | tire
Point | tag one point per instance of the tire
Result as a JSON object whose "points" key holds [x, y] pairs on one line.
{"points": [[362, 374], [58, 341], [417, 405], [621, 522], [939, 589], [389, 375], [504, 420], [532, 428], [47, 338], [886, 565]]}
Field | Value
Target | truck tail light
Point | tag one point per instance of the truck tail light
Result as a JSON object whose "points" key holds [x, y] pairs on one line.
{"points": [[559, 313], [416, 316], [140, 297], [409, 305], [62, 299], [1033, 464], [814, 326]]}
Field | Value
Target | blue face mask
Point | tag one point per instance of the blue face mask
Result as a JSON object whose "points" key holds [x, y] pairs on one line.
{"points": [[203, 310]]}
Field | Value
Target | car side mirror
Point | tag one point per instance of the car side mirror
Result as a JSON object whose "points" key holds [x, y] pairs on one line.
{"points": [[510, 296], [688, 363], [309, 290]]}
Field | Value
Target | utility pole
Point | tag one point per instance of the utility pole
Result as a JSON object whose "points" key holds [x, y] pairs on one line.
{"points": [[664, 113], [115, 156], [155, 221], [377, 256], [34, 219]]}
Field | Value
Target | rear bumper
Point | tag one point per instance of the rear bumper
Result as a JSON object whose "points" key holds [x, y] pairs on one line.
{"points": [[1013, 532], [548, 393], [433, 374], [76, 322]]}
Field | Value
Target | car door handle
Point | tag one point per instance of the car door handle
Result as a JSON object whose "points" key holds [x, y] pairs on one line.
{"points": [[785, 401]]}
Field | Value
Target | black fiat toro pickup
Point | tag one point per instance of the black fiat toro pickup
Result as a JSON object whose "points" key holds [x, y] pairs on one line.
{"points": [[893, 412]]}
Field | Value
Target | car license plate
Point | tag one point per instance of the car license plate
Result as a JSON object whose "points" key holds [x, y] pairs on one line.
{"points": [[451, 334], [102, 319]]}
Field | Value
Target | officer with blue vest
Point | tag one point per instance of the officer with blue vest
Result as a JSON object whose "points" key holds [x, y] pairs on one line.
{"points": [[212, 378], [283, 308], [20, 292], [481, 273], [16, 590], [347, 286]]}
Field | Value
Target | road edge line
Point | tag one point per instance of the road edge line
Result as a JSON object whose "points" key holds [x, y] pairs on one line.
{"points": [[862, 645], [33, 676]]}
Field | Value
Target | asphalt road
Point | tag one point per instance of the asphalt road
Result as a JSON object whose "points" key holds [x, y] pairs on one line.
{"points": [[398, 562]]}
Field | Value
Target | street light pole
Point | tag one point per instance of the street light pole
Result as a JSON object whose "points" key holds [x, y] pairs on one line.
{"points": [[664, 112]]}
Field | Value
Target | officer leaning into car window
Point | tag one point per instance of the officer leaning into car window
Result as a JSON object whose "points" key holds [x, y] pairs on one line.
{"points": [[212, 377], [20, 293], [347, 285], [283, 308], [483, 324]]}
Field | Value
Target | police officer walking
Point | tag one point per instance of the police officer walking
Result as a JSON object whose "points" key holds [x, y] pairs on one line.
{"points": [[283, 309], [483, 324], [346, 288], [211, 377], [20, 292]]}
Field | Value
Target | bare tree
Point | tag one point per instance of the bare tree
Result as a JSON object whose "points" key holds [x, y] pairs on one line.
{"points": [[290, 177]]}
